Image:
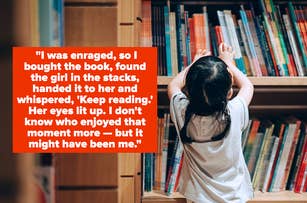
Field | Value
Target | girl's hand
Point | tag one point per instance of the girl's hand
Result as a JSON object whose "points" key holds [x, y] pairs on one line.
{"points": [[226, 52], [200, 53]]}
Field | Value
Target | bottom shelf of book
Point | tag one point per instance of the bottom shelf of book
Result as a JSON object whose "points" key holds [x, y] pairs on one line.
{"points": [[263, 197]]}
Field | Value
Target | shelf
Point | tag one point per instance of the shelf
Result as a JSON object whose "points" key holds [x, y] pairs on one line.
{"points": [[259, 81], [284, 196]]}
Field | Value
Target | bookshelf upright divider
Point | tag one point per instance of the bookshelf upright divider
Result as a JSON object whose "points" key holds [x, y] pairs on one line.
{"points": [[276, 96]]}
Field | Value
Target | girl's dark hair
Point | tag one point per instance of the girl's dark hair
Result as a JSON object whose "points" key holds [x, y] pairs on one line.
{"points": [[206, 85]]}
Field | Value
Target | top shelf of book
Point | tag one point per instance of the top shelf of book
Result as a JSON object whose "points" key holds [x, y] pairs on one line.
{"points": [[217, 2], [259, 81]]}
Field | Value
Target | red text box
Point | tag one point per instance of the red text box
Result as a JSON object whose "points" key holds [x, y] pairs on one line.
{"points": [[84, 99]]}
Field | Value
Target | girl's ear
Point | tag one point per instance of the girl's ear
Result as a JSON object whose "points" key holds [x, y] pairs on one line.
{"points": [[230, 93]]}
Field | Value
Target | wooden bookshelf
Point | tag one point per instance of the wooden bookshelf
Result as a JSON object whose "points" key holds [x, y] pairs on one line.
{"points": [[273, 96]]}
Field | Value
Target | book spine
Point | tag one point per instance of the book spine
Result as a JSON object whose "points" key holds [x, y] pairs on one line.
{"points": [[291, 154], [255, 61], [164, 151], [270, 165], [234, 40], [298, 36], [221, 18], [179, 38], [299, 152], [187, 37], [282, 139], [291, 65], [293, 45], [173, 47], [167, 42], [250, 69], [301, 173], [283, 55], [284, 157], [255, 36]]}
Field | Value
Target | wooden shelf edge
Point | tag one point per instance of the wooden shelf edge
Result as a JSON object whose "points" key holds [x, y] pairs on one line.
{"points": [[258, 81], [284, 196]]}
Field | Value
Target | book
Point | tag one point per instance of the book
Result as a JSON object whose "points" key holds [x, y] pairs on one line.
{"points": [[250, 69], [291, 64], [168, 42], [264, 148], [255, 32], [251, 45], [207, 35], [174, 59], [251, 140], [245, 134], [234, 41], [302, 141], [291, 153], [180, 36], [165, 150], [283, 157], [199, 32], [293, 45], [297, 35], [269, 168]]}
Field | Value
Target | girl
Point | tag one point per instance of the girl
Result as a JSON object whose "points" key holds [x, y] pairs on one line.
{"points": [[210, 125]]}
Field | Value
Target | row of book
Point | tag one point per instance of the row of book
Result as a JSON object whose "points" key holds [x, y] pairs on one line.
{"points": [[269, 42], [275, 153], [161, 170]]}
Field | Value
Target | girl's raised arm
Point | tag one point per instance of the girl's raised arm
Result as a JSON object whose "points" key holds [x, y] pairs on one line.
{"points": [[246, 88]]}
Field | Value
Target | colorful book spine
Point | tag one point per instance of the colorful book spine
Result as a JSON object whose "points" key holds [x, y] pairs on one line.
{"points": [[270, 164], [234, 41], [179, 34], [283, 55], [297, 158], [164, 151], [298, 36], [251, 45], [260, 164], [189, 57], [282, 139], [291, 155], [250, 69], [255, 36], [280, 170], [167, 42], [173, 46], [293, 45], [251, 140], [291, 64]]}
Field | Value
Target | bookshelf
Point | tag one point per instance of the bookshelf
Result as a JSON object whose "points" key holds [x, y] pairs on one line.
{"points": [[16, 180], [274, 97]]}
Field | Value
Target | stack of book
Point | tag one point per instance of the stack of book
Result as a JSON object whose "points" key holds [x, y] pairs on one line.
{"points": [[268, 41], [161, 170], [275, 153]]}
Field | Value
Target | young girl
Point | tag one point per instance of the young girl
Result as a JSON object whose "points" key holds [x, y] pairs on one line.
{"points": [[210, 126]]}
